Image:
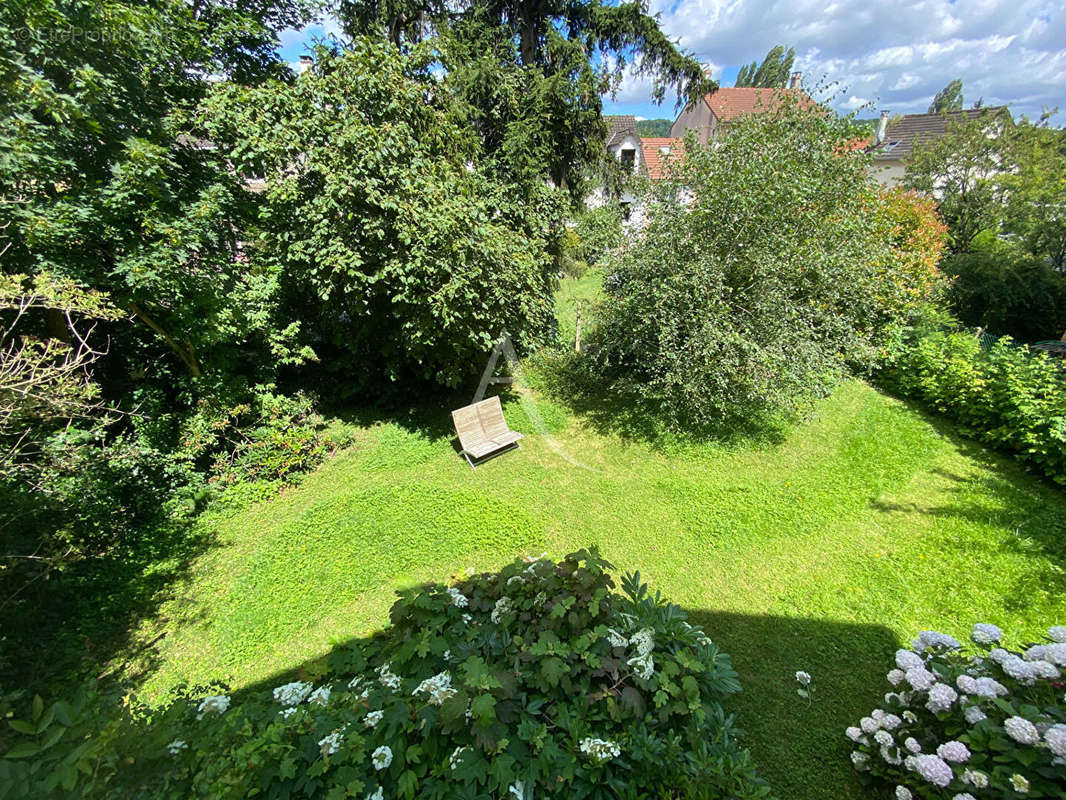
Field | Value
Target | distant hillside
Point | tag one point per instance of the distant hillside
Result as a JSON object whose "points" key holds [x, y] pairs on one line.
{"points": [[654, 127]]}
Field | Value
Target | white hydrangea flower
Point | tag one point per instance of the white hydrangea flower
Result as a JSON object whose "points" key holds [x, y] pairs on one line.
{"points": [[292, 694], [891, 756], [319, 696], [974, 715], [1021, 730], [903, 793], [906, 659], [997, 654], [878, 714], [1057, 633], [1020, 783], [616, 639], [855, 734], [1019, 669], [599, 750], [373, 718], [215, 704], [388, 678], [896, 676], [803, 677], [985, 633], [456, 757], [1055, 738], [859, 759], [920, 678], [975, 778], [988, 687], [176, 747], [515, 579], [912, 745], [643, 640], [378, 795], [330, 743], [934, 769], [869, 725], [459, 599], [1042, 669], [967, 684], [890, 722], [382, 757], [439, 688], [936, 641], [884, 738], [941, 696], [955, 752], [643, 666], [501, 610], [964, 796]]}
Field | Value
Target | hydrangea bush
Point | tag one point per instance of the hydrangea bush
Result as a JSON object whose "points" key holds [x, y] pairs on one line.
{"points": [[536, 681], [989, 723]]}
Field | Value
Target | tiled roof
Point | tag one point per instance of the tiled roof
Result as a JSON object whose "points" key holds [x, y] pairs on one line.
{"points": [[923, 128], [730, 103], [621, 127], [656, 162]]}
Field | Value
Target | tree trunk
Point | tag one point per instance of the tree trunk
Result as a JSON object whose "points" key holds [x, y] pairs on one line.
{"points": [[187, 355]]}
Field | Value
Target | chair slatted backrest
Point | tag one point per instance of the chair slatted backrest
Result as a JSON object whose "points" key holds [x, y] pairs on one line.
{"points": [[491, 414], [468, 426]]}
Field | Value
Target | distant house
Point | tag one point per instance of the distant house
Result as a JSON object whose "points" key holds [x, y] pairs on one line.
{"points": [[895, 139], [659, 154], [623, 142], [712, 116], [649, 157]]}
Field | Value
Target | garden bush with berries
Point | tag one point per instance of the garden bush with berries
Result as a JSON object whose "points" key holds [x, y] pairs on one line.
{"points": [[539, 680], [970, 725]]}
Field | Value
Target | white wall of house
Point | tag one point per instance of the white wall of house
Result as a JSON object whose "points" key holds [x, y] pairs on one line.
{"points": [[628, 143], [889, 172]]}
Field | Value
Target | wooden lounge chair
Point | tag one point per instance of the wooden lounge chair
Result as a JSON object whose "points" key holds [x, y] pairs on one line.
{"points": [[482, 430]]}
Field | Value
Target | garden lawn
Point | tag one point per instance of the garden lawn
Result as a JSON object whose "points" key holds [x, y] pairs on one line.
{"points": [[821, 553]]}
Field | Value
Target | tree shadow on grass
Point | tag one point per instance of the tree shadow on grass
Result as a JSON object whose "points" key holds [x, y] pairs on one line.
{"points": [[800, 748]]}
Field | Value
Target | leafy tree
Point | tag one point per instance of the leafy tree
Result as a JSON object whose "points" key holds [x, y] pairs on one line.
{"points": [[654, 127], [399, 252], [961, 170], [773, 72], [947, 99], [753, 296], [570, 53], [1035, 191]]}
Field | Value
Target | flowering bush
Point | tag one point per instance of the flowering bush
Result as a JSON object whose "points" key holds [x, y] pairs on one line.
{"points": [[535, 681], [969, 726]]}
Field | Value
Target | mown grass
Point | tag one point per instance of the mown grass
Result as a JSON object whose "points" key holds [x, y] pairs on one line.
{"points": [[867, 523], [571, 291]]}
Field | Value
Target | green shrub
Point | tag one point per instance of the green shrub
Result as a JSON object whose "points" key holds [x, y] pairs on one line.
{"points": [[764, 271], [599, 231], [962, 725], [535, 681], [1006, 396]]}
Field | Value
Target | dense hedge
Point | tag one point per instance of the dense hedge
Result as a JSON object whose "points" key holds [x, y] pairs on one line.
{"points": [[535, 681], [1008, 397]]}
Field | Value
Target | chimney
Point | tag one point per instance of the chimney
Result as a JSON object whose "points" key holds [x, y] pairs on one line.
{"points": [[306, 62], [882, 128], [794, 81]]}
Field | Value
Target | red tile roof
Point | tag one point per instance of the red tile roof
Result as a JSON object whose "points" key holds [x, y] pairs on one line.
{"points": [[657, 162], [730, 103]]}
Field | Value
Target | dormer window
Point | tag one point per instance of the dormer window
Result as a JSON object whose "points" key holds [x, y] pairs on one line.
{"points": [[664, 150], [629, 158]]}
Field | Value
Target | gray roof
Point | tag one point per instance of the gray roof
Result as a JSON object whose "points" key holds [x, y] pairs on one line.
{"points": [[621, 127], [923, 128]]}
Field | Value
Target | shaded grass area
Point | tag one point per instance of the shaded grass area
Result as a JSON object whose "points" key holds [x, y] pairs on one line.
{"points": [[863, 525]]}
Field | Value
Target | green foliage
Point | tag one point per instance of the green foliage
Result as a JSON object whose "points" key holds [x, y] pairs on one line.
{"points": [[1002, 737], [947, 99], [1007, 291], [654, 127], [599, 231], [1035, 191], [537, 678], [764, 269], [1005, 396], [773, 72]]}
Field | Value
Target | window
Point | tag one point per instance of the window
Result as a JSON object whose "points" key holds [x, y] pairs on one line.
{"points": [[629, 158]]}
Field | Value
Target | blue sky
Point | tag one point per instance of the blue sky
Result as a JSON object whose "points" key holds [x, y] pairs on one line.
{"points": [[863, 55]]}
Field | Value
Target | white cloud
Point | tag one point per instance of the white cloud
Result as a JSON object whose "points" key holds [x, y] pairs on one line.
{"points": [[897, 55]]}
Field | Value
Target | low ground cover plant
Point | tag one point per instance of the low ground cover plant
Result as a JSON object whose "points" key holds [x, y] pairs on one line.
{"points": [[537, 680], [969, 725]]}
